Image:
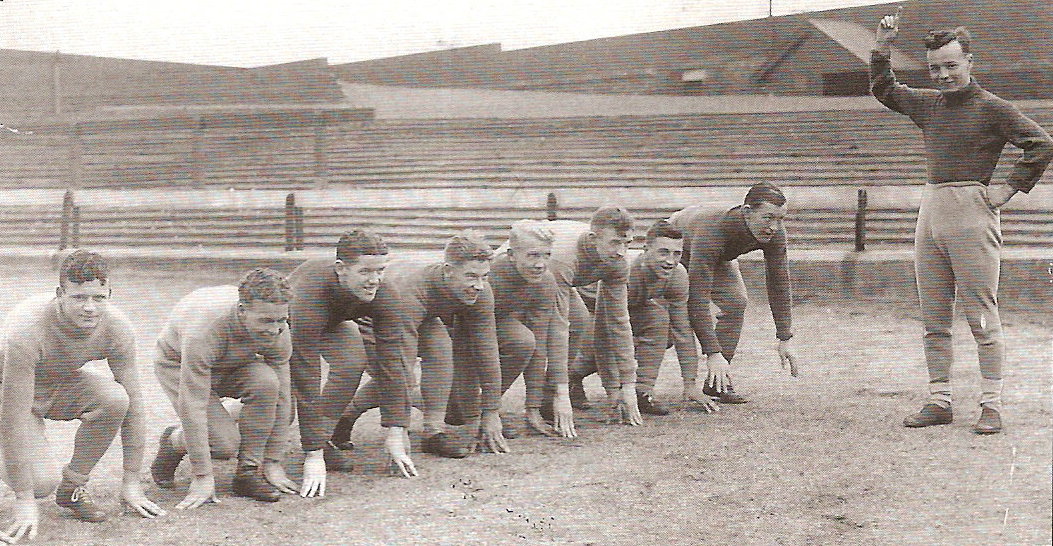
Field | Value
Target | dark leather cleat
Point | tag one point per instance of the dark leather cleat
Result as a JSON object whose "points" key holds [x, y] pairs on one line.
{"points": [[647, 404], [578, 400], [167, 460], [990, 421], [729, 396], [930, 414], [76, 498], [248, 482], [338, 456], [445, 444]]}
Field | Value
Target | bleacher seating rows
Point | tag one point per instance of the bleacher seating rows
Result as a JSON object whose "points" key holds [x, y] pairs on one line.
{"points": [[853, 148]]}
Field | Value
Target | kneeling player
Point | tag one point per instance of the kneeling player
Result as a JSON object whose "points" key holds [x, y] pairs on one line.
{"points": [[233, 342], [48, 340]]}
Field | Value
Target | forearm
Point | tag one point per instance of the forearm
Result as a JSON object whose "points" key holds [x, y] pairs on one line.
{"points": [[193, 415], [780, 297], [613, 337], [684, 341], [133, 429], [16, 424]]}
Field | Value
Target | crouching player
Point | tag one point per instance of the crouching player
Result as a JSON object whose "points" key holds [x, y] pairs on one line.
{"points": [[329, 295], [531, 335], [435, 296], [658, 295], [228, 341], [48, 340]]}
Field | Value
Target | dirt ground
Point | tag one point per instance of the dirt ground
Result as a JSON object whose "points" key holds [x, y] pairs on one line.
{"points": [[821, 459]]}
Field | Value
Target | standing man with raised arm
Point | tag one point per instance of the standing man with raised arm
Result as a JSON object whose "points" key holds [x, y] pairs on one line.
{"points": [[583, 254], [531, 334], [228, 341], [957, 244], [329, 295], [48, 341], [438, 295], [715, 238]]}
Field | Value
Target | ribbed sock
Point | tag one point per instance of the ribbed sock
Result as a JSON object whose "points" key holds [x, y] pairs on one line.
{"points": [[940, 394], [991, 393]]}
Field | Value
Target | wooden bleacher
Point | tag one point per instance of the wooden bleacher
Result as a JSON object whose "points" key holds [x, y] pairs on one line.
{"points": [[840, 149]]}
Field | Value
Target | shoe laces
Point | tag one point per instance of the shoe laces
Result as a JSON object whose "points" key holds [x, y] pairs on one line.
{"points": [[80, 493]]}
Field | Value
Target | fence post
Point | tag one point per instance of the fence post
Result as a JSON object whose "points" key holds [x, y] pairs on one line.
{"points": [[67, 217], [290, 222], [298, 231], [75, 232], [552, 206], [861, 220]]}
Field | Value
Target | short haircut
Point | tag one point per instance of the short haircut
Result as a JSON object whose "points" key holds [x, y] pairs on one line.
{"points": [[612, 217], [765, 192], [529, 230], [663, 228], [82, 266], [359, 242], [467, 246], [936, 39], [263, 284]]}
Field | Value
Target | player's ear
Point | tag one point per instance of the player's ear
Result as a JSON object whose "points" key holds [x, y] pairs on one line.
{"points": [[58, 290]]}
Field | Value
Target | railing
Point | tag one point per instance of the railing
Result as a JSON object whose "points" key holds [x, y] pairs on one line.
{"points": [[293, 227]]}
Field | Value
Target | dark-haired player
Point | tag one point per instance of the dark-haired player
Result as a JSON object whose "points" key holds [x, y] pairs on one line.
{"points": [[329, 296], [449, 307], [714, 238], [658, 296], [957, 244], [584, 254], [48, 341], [228, 341]]}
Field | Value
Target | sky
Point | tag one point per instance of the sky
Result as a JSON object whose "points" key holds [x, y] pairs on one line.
{"points": [[255, 33]]}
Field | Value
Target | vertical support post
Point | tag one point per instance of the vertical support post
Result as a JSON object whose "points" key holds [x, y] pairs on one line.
{"points": [[861, 220], [298, 233], [75, 232], [290, 222], [67, 218], [552, 206]]}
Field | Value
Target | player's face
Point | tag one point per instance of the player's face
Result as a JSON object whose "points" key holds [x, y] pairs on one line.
{"points": [[363, 276], [949, 66], [467, 280], [83, 303], [765, 220], [612, 244], [663, 254], [530, 258], [264, 321]]}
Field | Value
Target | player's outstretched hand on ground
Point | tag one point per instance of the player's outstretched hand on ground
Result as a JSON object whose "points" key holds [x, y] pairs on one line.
{"points": [[718, 372], [25, 521], [623, 406], [313, 475], [202, 490], [132, 494], [564, 414], [694, 397], [537, 423], [490, 437], [397, 445], [274, 473], [788, 356]]}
